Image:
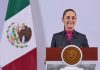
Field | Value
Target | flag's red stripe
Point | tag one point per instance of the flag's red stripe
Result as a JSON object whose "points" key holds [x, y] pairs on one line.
{"points": [[26, 62]]}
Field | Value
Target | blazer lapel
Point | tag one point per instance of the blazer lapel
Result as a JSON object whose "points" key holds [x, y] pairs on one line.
{"points": [[74, 39], [65, 39]]}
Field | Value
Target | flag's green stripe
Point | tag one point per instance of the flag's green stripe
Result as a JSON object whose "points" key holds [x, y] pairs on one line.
{"points": [[14, 6]]}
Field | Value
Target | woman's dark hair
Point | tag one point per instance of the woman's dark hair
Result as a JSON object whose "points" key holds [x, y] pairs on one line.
{"points": [[67, 11]]}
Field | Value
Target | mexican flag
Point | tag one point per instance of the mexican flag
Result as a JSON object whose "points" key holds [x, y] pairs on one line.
{"points": [[18, 46]]}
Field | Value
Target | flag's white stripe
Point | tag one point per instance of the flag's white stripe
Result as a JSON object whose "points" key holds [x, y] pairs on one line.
{"points": [[9, 53]]}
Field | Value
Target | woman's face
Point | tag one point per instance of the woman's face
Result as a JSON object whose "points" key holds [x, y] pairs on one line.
{"points": [[69, 20]]}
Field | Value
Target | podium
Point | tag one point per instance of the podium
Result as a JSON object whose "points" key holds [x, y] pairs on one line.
{"points": [[88, 62]]}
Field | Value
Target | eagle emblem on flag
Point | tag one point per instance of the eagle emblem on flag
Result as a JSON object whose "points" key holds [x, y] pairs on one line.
{"points": [[18, 35]]}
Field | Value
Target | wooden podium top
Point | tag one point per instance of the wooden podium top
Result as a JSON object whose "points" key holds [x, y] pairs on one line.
{"points": [[54, 54]]}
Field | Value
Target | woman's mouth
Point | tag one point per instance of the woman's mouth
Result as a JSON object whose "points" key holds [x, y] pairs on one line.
{"points": [[69, 27]]}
